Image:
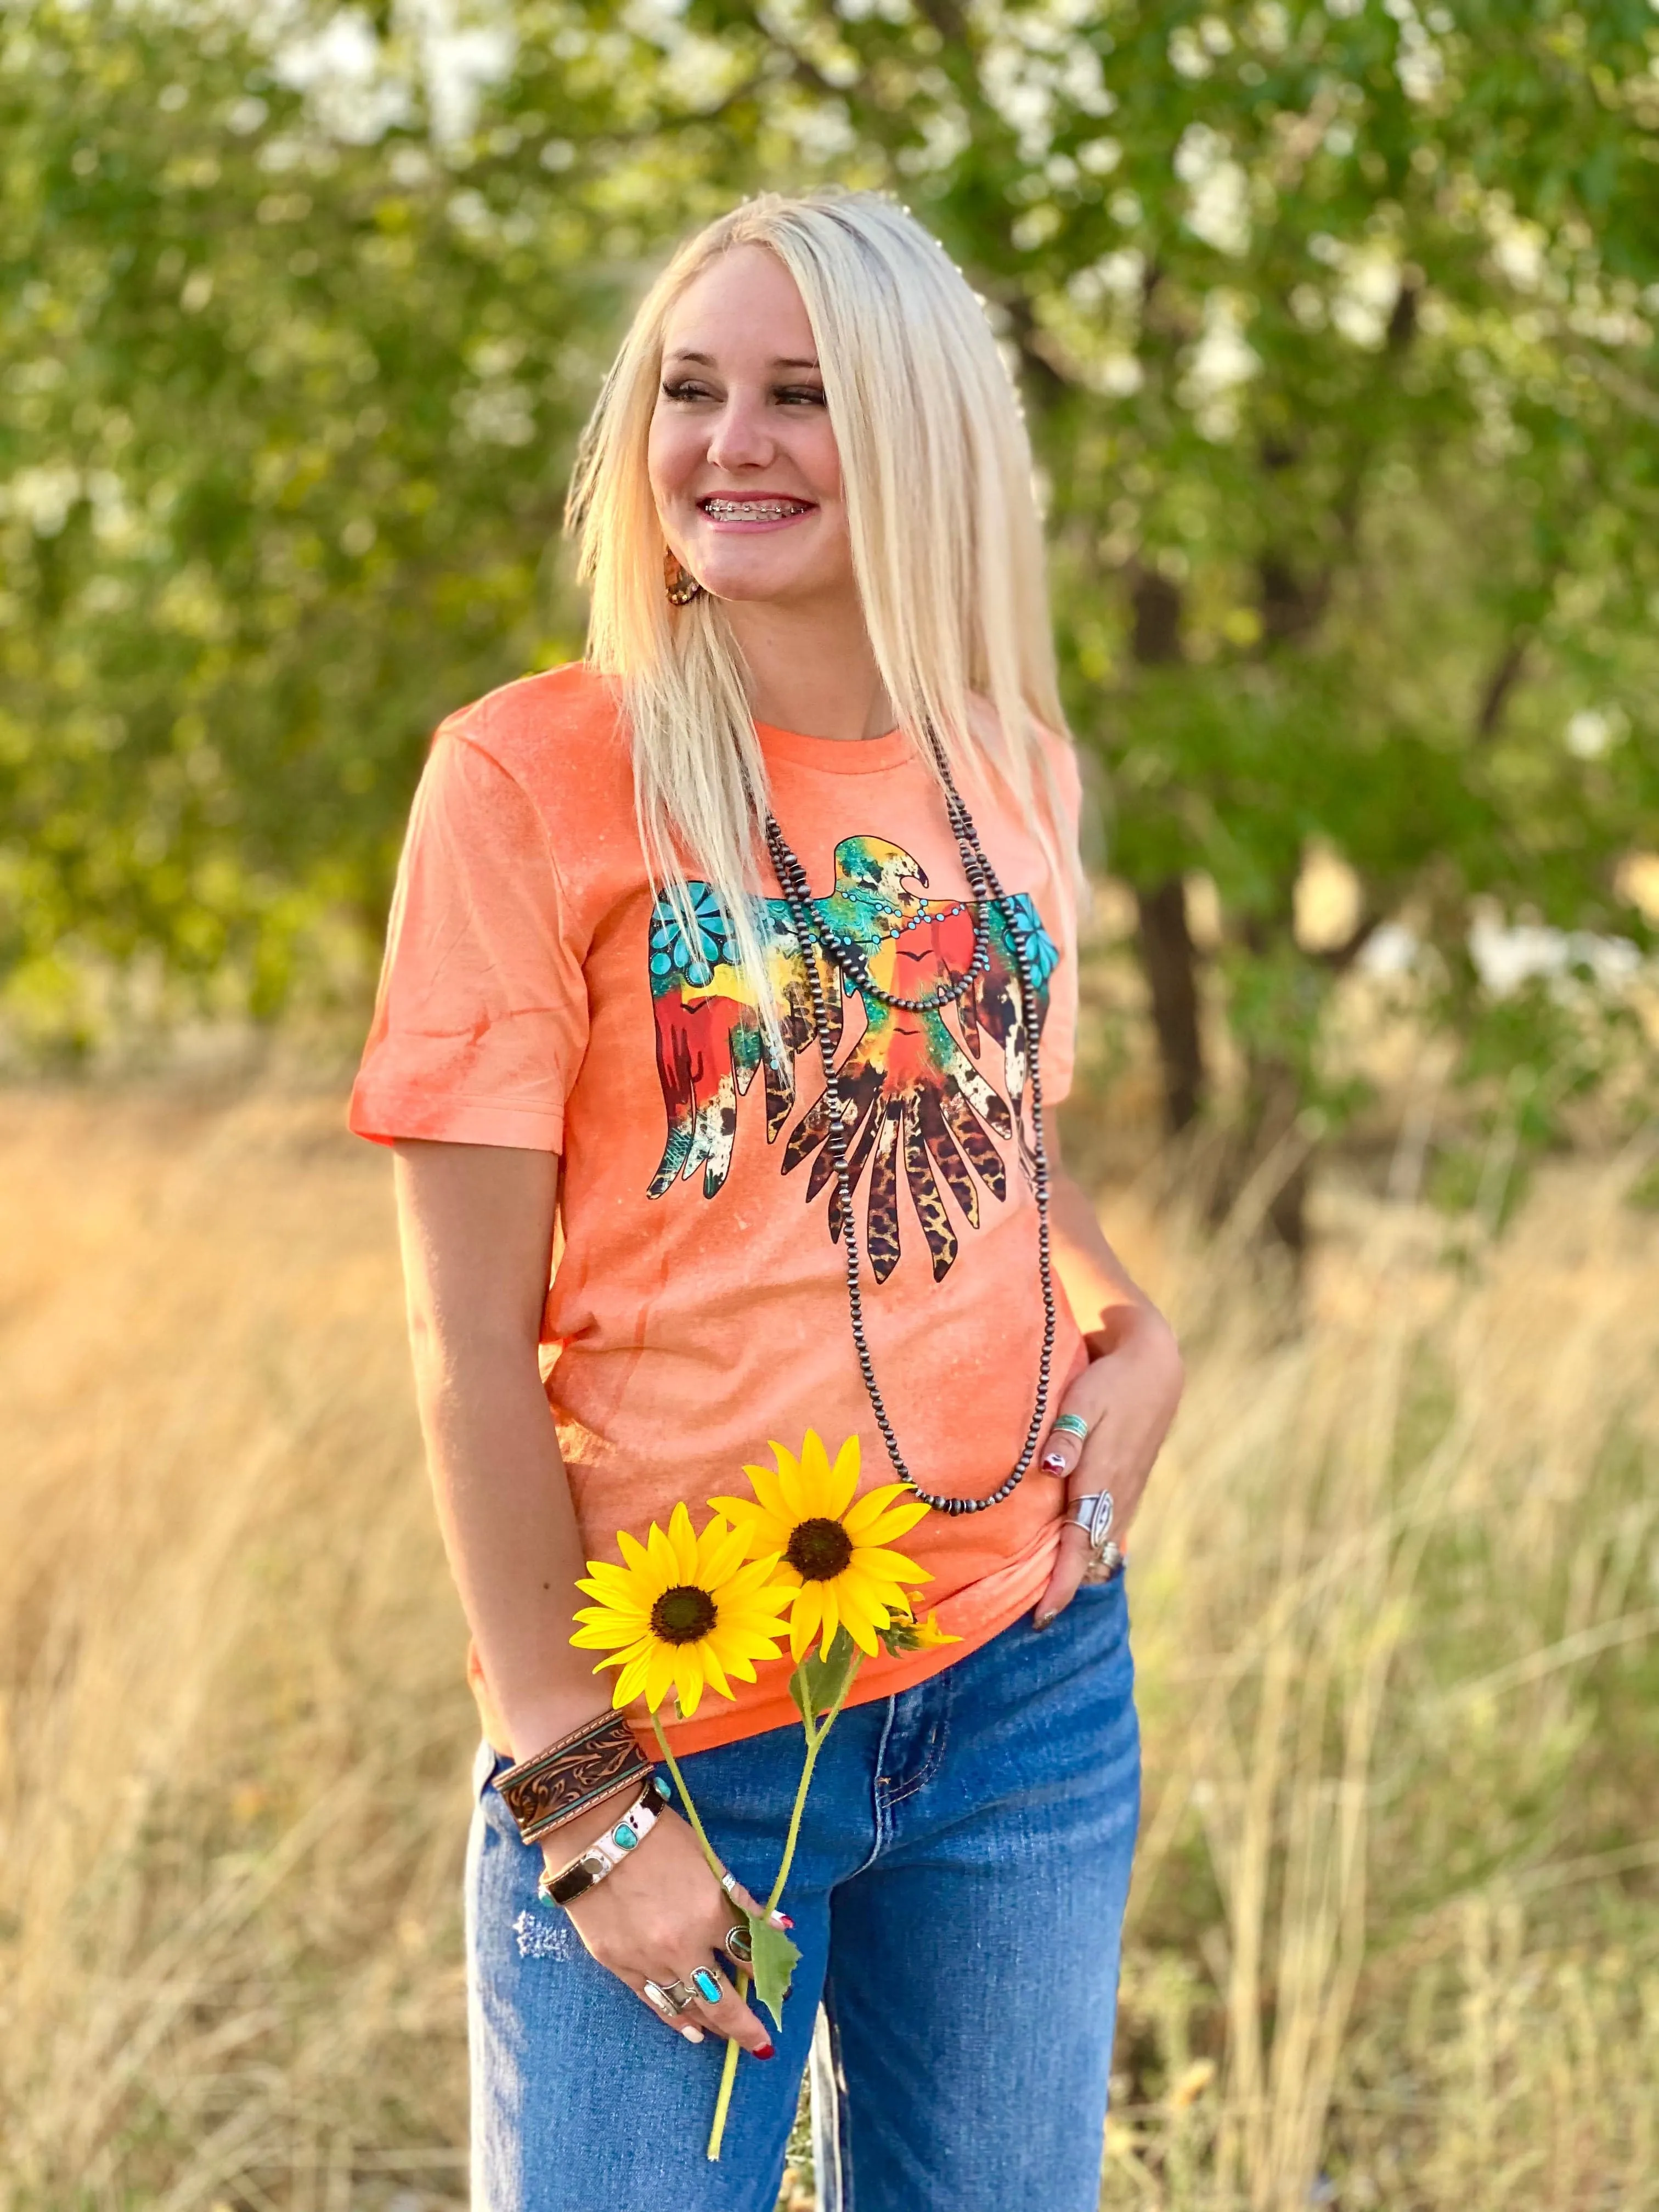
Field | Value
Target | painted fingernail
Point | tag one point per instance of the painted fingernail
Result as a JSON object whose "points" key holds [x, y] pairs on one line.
{"points": [[692, 2034], [781, 1920], [1054, 1462], [766, 2051], [705, 1986], [1043, 1620]]}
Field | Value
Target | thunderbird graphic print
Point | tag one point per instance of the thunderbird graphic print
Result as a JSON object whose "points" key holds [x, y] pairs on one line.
{"points": [[919, 1106]]}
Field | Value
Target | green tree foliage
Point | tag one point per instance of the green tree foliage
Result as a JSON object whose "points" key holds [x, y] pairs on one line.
{"points": [[1336, 330], [289, 389]]}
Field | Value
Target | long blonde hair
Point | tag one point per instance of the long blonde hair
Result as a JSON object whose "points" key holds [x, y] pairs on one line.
{"points": [[946, 544]]}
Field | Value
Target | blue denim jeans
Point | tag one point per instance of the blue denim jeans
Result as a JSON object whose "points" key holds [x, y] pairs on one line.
{"points": [[957, 1895]]}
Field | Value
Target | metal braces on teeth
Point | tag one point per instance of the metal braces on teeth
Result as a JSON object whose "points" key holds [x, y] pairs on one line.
{"points": [[767, 510]]}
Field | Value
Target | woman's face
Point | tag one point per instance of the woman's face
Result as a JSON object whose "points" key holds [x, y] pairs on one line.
{"points": [[743, 460]]}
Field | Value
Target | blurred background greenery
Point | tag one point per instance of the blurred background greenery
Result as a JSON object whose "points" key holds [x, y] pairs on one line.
{"points": [[1335, 328]]}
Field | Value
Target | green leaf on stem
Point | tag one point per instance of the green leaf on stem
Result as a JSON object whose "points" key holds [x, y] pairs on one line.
{"points": [[773, 1964], [821, 1677]]}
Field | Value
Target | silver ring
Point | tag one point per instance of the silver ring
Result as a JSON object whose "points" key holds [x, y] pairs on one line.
{"points": [[1071, 1425], [729, 1884], [672, 2002], [739, 1944], [1093, 1514]]}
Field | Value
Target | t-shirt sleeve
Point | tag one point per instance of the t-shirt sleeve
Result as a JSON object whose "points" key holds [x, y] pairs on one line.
{"points": [[1059, 1024], [481, 1018]]}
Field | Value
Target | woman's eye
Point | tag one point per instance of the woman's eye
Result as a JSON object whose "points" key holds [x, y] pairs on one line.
{"points": [[686, 390], [801, 395]]}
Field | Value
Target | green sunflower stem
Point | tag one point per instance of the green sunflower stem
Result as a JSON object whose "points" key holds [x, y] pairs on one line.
{"points": [[686, 1798], [815, 1735], [723, 2102], [728, 2075]]}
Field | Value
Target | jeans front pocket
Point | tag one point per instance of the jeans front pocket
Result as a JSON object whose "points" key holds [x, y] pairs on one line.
{"points": [[488, 1765]]}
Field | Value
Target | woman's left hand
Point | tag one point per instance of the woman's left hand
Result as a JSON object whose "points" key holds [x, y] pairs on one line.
{"points": [[1128, 1395]]}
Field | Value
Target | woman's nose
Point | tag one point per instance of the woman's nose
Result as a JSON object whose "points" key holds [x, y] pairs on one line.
{"points": [[740, 438]]}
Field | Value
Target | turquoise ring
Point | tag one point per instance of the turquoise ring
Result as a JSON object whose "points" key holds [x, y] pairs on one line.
{"points": [[1071, 1425], [705, 1986]]}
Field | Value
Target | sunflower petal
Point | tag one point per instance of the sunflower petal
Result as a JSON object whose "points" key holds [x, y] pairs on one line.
{"points": [[591, 1615], [887, 1566], [769, 1490], [885, 1527], [607, 1633], [660, 1674], [831, 1619], [610, 1575], [766, 1535], [890, 1507], [665, 1560], [751, 1622], [855, 1620], [618, 1600], [713, 1671], [637, 1558], [740, 1512], [759, 1575], [719, 1556], [688, 1678], [814, 1465], [929, 1635], [737, 1650], [841, 1480], [804, 1618], [759, 1632], [758, 1567], [632, 1678], [683, 1538], [763, 1531], [795, 1484]]}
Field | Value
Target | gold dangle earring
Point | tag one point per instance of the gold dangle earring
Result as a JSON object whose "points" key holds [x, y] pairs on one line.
{"points": [[681, 585]]}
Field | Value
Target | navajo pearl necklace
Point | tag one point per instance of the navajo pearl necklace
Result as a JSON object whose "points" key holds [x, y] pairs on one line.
{"points": [[849, 961]]}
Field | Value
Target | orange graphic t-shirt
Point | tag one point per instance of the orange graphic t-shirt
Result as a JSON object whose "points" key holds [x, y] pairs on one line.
{"points": [[537, 992]]}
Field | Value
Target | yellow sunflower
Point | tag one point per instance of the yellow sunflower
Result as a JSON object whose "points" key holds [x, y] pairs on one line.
{"points": [[684, 1612], [833, 1550]]}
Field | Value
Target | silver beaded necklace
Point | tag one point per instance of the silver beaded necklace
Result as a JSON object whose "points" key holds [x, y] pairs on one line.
{"points": [[811, 933]]}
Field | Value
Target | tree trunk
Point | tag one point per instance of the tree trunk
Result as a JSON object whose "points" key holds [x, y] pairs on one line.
{"points": [[1168, 956], [1155, 638], [1274, 1103], [1265, 1141]]}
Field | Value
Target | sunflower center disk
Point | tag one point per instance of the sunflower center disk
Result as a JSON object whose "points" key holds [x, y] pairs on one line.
{"points": [[818, 1550], [681, 1614]]}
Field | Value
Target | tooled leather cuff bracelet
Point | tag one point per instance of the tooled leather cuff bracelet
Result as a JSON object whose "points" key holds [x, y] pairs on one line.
{"points": [[591, 1764]]}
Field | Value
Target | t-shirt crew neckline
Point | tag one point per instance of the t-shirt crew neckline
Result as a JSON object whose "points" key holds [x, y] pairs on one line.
{"points": [[836, 756]]}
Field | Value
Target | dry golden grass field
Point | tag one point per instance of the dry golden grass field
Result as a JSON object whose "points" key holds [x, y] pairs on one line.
{"points": [[1394, 1937]]}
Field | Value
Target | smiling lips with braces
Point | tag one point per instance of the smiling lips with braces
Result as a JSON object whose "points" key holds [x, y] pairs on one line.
{"points": [[754, 510]]}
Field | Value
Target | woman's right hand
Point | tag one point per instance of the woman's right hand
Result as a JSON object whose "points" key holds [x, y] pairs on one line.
{"points": [[660, 1916]]}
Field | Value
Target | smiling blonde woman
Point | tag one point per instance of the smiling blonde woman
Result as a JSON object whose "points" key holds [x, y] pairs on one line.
{"points": [[745, 954]]}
